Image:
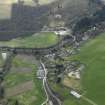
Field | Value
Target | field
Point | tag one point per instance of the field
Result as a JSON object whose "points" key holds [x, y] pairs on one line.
{"points": [[92, 54], [5, 11], [22, 84], [26, 1], [35, 41], [8, 1]]}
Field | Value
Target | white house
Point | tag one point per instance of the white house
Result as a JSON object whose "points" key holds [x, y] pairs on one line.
{"points": [[4, 56], [75, 94], [62, 31]]}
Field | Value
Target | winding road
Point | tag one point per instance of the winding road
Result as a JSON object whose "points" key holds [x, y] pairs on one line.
{"points": [[51, 98]]}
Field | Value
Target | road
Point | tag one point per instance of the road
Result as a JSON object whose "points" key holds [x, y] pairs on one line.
{"points": [[89, 100], [51, 98]]}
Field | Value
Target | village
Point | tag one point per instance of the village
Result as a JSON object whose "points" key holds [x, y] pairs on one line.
{"points": [[48, 67]]}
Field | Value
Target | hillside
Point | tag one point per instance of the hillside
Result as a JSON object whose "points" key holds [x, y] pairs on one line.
{"points": [[74, 10], [92, 55]]}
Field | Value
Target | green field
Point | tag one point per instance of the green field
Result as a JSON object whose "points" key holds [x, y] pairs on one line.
{"points": [[24, 70], [92, 54], [38, 40]]}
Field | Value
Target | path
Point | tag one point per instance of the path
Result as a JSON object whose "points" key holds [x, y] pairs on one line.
{"points": [[88, 100]]}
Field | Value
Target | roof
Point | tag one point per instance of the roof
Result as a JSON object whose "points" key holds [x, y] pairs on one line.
{"points": [[74, 93]]}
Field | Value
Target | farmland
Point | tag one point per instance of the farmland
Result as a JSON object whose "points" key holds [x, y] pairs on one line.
{"points": [[23, 74], [72, 72]]}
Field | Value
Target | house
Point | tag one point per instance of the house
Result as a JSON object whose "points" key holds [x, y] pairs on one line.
{"points": [[75, 94], [4, 56], [40, 73], [62, 31]]}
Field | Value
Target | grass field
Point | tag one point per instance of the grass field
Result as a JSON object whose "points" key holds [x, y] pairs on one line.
{"points": [[92, 54], [35, 41], [24, 72]]}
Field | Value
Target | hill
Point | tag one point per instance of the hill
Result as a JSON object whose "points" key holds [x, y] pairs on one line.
{"points": [[74, 10]]}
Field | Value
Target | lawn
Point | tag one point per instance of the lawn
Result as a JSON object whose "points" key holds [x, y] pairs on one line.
{"points": [[92, 55], [43, 39]]}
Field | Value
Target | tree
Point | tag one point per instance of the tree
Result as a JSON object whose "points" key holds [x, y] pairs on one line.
{"points": [[1, 92], [58, 80], [16, 102], [84, 24]]}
